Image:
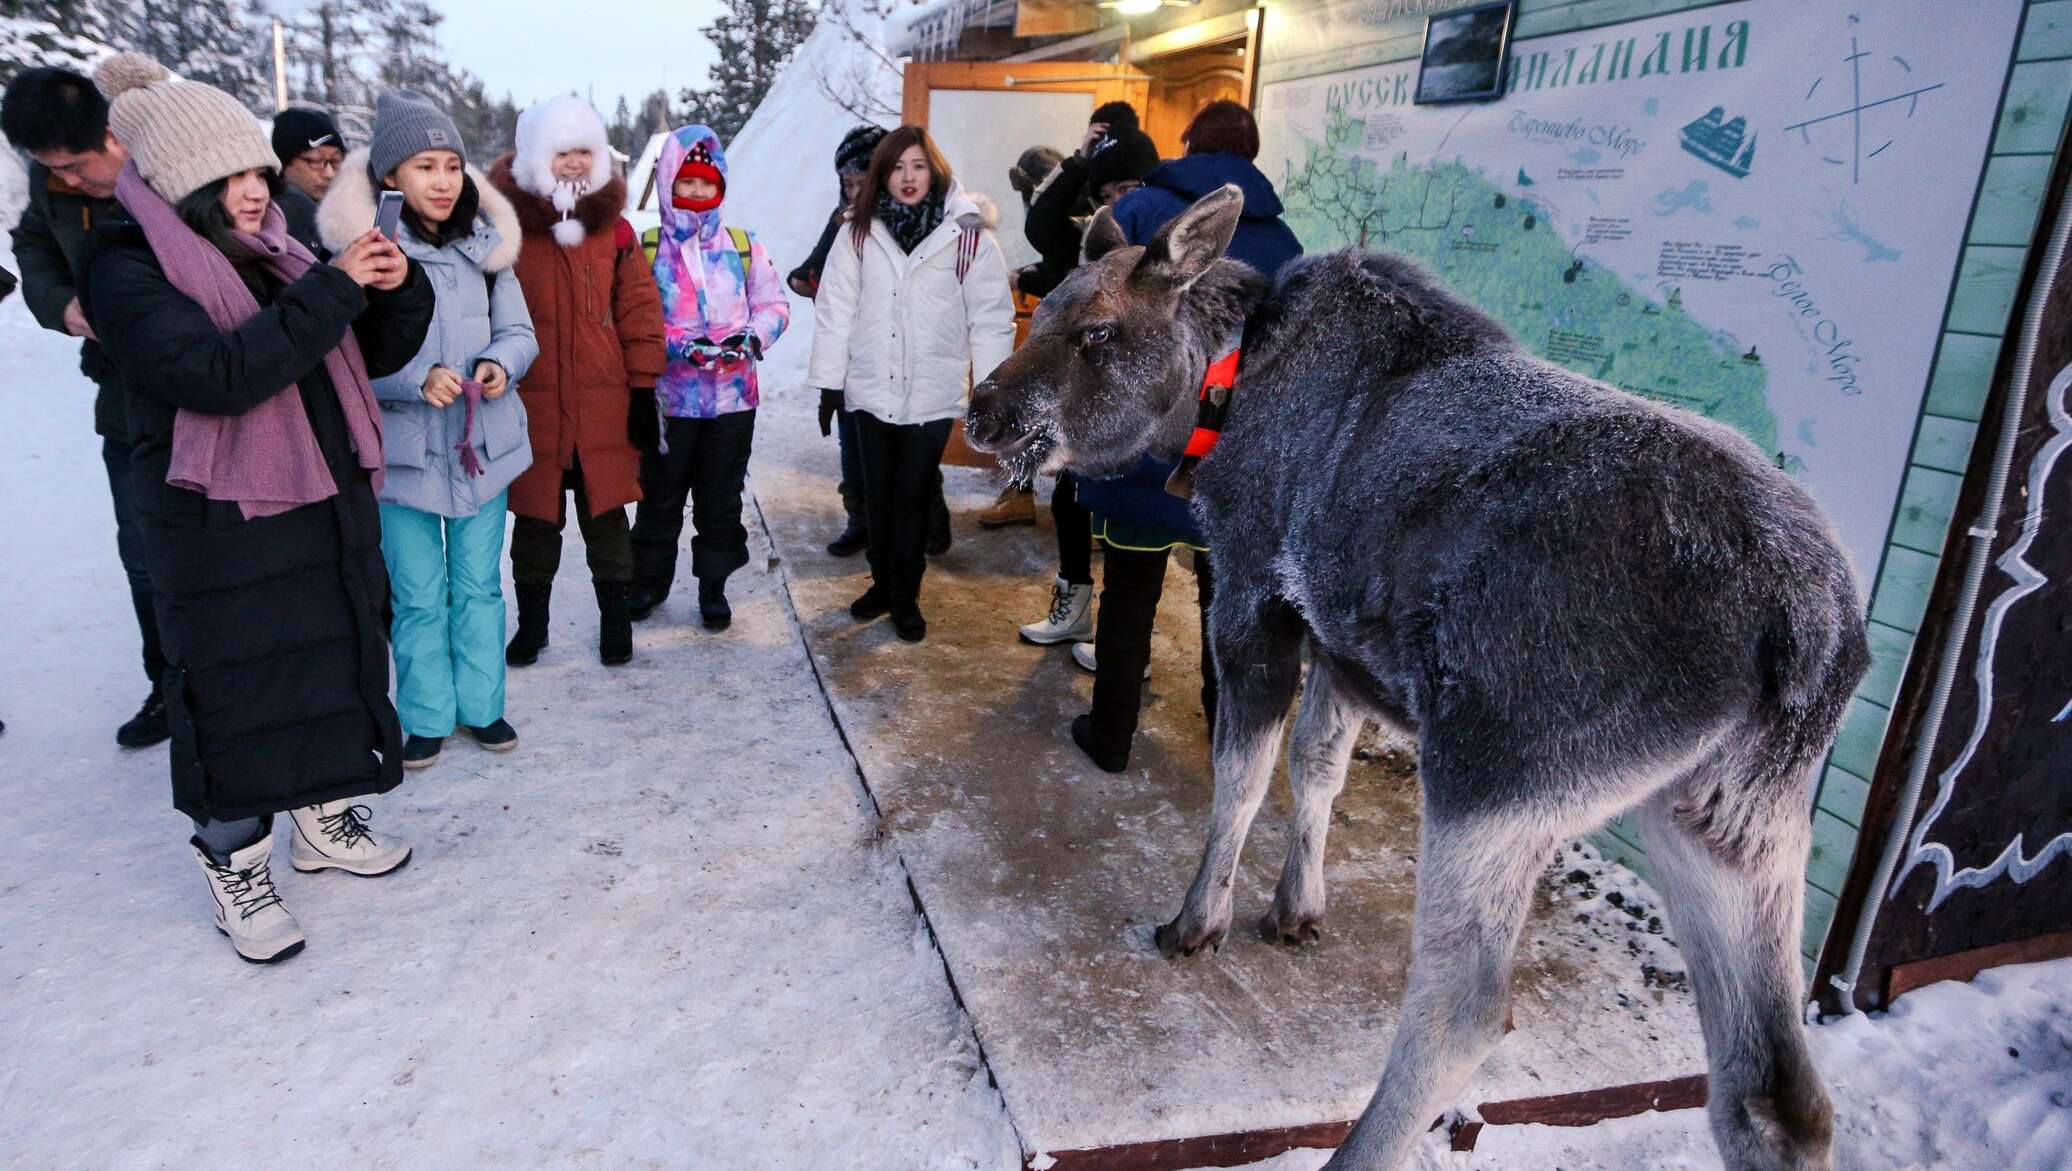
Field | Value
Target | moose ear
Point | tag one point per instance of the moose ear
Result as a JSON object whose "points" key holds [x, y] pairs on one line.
{"points": [[1103, 236], [1195, 239]]}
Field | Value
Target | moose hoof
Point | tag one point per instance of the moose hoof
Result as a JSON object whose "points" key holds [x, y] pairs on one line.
{"points": [[1178, 939], [1291, 929]]}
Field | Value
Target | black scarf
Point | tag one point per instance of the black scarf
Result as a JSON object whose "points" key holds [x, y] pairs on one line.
{"points": [[910, 223]]}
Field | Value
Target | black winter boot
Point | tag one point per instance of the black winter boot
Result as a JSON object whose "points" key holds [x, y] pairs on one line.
{"points": [[531, 638], [855, 537], [614, 623], [149, 726], [712, 603]]}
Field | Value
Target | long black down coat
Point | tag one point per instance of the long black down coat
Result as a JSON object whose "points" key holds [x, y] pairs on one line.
{"points": [[278, 683]]}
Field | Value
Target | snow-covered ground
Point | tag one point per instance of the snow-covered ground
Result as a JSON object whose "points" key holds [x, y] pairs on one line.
{"points": [[665, 932], [660, 934]]}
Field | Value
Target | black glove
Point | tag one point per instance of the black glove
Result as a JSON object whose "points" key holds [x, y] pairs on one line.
{"points": [[743, 346], [644, 420], [830, 403], [804, 281]]}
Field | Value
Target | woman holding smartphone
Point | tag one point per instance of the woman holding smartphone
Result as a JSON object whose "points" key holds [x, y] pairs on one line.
{"points": [[258, 451], [456, 428]]}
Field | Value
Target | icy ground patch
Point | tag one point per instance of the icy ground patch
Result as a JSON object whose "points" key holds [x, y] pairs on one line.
{"points": [[659, 934]]}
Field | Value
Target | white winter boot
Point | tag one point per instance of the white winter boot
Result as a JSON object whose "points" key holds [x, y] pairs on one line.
{"points": [[1071, 616], [1083, 654], [247, 908], [334, 836]]}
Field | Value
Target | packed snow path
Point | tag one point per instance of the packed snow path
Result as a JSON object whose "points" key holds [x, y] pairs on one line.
{"points": [[659, 934]]}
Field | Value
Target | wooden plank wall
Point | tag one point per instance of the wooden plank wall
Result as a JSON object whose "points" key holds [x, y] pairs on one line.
{"points": [[2003, 224]]}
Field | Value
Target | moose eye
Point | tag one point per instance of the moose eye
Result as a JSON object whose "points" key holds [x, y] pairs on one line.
{"points": [[1097, 335]]}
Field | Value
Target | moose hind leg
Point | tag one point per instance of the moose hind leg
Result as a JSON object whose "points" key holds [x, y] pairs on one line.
{"points": [[1319, 751], [1475, 876], [1257, 669], [1737, 922]]}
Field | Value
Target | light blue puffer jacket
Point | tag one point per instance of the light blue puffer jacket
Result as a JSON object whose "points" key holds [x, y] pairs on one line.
{"points": [[481, 314]]}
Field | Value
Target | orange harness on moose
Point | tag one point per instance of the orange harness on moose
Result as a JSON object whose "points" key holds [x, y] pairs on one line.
{"points": [[1216, 385]]}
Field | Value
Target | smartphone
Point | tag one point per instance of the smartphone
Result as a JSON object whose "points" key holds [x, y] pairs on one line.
{"points": [[388, 215]]}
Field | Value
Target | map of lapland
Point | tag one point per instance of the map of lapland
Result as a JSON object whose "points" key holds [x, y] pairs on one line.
{"points": [[1719, 209], [1508, 256]]}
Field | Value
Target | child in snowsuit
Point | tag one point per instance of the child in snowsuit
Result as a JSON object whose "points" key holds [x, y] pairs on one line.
{"points": [[723, 306], [599, 321]]}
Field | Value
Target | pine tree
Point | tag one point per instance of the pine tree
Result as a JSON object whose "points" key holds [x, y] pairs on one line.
{"points": [[754, 39], [212, 41], [73, 34]]}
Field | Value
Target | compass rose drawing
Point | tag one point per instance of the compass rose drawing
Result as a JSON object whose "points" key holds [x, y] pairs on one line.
{"points": [[1866, 138]]}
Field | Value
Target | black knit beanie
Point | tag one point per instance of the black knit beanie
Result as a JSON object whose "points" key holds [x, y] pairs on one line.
{"points": [[1124, 157], [300, 129], [853, 156]]}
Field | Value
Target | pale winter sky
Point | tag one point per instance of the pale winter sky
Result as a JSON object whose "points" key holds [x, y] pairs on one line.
{"points": [[537, 49]]}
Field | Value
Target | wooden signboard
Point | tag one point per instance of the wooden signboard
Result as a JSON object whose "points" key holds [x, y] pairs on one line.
{"points": [[1987, 869]]}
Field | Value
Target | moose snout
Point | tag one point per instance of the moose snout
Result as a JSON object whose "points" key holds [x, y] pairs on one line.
{"points": [[990, 423]]}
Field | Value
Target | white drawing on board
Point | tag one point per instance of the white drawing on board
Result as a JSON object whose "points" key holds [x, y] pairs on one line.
{"points": [[2027, 580]]}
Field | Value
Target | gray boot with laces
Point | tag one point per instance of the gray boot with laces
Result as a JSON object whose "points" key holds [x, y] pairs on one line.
{"points": [[334, 836], [248, 910]]}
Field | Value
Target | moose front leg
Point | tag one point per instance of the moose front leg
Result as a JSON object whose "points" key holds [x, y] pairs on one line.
{"points": [[1257, 668], [1318, 754]]}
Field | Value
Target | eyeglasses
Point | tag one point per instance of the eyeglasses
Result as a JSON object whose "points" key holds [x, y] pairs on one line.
{"points": [[316, 162]]}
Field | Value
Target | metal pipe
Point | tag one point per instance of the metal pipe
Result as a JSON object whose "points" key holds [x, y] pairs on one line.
{"points": [[1982, 533]]}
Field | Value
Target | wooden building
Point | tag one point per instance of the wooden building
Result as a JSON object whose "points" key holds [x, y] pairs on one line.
{"points": [[1825, 225]]}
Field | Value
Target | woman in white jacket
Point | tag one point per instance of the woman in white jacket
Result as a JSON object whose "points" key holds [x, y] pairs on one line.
{"points": [[914, 305]]}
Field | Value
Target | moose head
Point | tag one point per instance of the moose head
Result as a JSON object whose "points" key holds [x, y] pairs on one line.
{"points": [[1116, 353]]}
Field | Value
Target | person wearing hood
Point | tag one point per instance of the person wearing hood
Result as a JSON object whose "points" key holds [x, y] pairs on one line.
{"points": [[258, 452], [455, 425], [1139, 522], [598, 320], [723, 307], [914, 307], [311, 150], [1221, 142], [852, 159]]}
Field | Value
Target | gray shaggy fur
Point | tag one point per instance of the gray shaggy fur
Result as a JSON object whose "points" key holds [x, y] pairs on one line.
{"points": [[1582, 601]]}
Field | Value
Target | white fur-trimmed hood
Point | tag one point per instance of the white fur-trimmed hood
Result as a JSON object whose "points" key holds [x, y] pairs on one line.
{"points": [[348, 210], [555, 125]]}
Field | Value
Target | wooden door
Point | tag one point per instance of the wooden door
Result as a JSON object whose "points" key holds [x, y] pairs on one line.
{"points": [[1185, 82], [984, 114]]}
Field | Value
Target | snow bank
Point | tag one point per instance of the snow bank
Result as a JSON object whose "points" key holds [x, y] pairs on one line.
{"points": [[1957, 1077], [14, 189], [782, 177]]}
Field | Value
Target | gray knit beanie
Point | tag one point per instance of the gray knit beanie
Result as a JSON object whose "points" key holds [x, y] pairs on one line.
{"points": [[182, 135], [405, 124]]}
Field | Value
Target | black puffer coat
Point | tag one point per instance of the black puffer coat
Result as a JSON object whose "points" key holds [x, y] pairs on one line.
{"points": [[278, 684]]}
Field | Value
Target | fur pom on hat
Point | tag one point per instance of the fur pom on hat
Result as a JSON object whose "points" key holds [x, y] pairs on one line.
{"points": [[547, 129], [182, 135]]}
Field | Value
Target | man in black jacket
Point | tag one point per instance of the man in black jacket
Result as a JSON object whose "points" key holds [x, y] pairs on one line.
{"points": [[61, 120]]}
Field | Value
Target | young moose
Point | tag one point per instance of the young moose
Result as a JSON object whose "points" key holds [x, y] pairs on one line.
{"points": [[1584, 602]]}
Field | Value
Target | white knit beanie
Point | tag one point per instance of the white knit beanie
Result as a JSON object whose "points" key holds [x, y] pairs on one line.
{"points": [[182, 135]]}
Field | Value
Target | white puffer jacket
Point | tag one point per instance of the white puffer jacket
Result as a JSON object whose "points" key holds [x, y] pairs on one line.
{"points": [[897, 333]]}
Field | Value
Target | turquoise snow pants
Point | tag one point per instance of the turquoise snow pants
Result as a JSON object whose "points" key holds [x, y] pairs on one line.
{"points": [[446, 584]]}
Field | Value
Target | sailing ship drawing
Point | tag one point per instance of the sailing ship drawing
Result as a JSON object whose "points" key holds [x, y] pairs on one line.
{"points": [[1724, 142]]}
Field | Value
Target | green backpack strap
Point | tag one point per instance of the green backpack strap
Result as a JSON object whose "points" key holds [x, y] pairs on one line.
{"points": [[742, 245], [650, 243]]}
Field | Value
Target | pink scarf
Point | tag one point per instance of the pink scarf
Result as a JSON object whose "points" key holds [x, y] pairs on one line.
{"points": [[266, 459]]}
